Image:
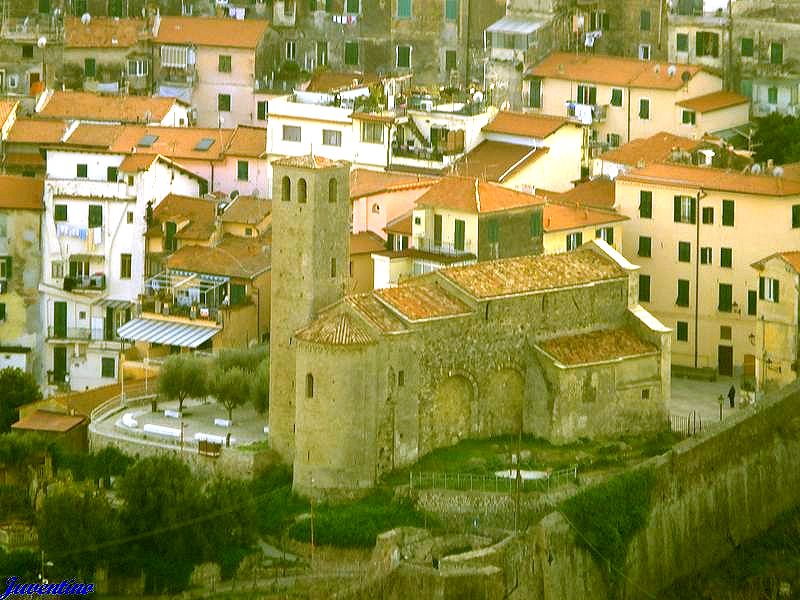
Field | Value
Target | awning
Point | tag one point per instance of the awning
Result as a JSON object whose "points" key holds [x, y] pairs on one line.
{"points": [[112, 304], [514, 25], [171, 333]]}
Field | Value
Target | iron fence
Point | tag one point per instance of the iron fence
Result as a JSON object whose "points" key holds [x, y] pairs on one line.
{"points": [[687, 426], [470, 482]]}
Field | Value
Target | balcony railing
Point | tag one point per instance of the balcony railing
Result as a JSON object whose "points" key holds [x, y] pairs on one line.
{"points": [[92, 283], [69, 333], [445, 249], [587, 113]]}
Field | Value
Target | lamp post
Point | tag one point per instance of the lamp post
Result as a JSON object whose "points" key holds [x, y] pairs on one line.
{"points": [[42, 43]]}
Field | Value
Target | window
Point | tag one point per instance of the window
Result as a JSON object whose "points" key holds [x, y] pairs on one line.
{"points": [[403, 9], [706, 256], [684, 209], [322, 53], [616, 97], [706, 43], [78, 268], [242, 170], [248, 231], [170, 242], [682, 331], [451, 10], [746, 88], [331, 137], [372, 133], [95, 215], [57, 269], [124, 266], [437, 230], [81, 171], [333, 267], [352, 6], [606, 234], [89, 67], [644, 51], [708, 215], [351, 53], [302, 191], [309, 385], [682, 42], [727, 213], [645, 246], [587, 94], [261, 110], [449, 60], [795, 216], [291, 133], [613, 140], [535, 93], [333, 190], [60, 212], [644, 108], [600, 21], [688, 117], [224, 102], [401, 378], [768, 289], [776, 53], [404, 57], [537, 228], [725, 297], [129, 217], [747, 47], [174, 56], [644, 288], [111, 174], [752, 299], [5, 267], [644, 20], [286, 189], [459, 229], [726, 258], [684, 252], [645, 204], [291, 50], [724, 332], [574, 240], [224, 63], [772, 95], [2, 311], [683, 293], [27, 51], [238, 293], [137, 67]]}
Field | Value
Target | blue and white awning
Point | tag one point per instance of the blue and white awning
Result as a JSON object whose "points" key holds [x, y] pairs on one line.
{"points": [[169, 333]]}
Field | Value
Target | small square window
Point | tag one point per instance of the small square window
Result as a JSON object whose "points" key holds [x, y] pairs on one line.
{"points": [[706, 256], [724, 332], [108, 367], [248, 231], [684, 252], [82, 171], [646, 394], [82, 315], [224, 63], [224, 102], [111, 174], [129, 217], [708, 215], [682, 42], [242, 170], [27, 51], [682, 331], [60, 212], [417, 221]]}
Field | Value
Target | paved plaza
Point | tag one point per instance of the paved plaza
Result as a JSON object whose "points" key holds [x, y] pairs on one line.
{"points": [[703, 396]]}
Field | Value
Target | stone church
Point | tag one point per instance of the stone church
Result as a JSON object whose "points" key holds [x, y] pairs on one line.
{"points": [[365, 383]]}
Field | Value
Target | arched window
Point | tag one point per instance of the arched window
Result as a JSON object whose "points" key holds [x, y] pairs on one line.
{"points": [[309, 385], [302, 194], [286, 189], [333, 190]]}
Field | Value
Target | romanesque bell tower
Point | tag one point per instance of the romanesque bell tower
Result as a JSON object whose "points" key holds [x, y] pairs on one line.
{"points": [[311, 214]]}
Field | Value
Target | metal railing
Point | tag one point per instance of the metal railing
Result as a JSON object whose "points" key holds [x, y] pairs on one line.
{"points": [[82, 333], [90, 283], [469, 482], [425, 244], [687, 426]]}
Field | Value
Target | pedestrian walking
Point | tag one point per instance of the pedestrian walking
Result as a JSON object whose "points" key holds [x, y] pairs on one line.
{"points": [[732, 395]]}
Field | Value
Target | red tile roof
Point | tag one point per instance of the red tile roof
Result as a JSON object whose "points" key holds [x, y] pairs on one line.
{"points": [[791, 258], [336, 329], [495, 161], [197, 213], [208, 31], [103, 32], [309, 162], [172, 142], [100, 107], [43, 420], [468, 194], [655, 148], [714, 101], [36, 131], [7, 108], [376, 313], [596, 193], [244, 258], [366, 242], [422, 300], [248, 141], [401, 224], [525, 124], [597, 346], [558, 217], [364, 182], [248, 210], [21, 193]]}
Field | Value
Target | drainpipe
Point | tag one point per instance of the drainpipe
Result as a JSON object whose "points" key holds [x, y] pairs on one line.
{"points": [[629, 113]]}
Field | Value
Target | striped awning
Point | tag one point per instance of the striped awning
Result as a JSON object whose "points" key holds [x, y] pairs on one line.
{"points": [[113, 304], [160, 331], [514, 25]]}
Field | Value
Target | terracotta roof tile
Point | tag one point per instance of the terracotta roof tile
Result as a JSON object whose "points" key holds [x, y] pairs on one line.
{"points": [[364, 182], [468, 194], [713, 179], [366, 242], [306, 161], [247, 209], [596, 193], [494, 161], [418, 301], [207, 31], [133, 163], [103, 32], [596, 346], [197, 213], [525, 124], [172, 142], [376, 313], [613, 70], [335, 81], [558, 217], [528, 274], [401, 224], [233, 257], [100, 107], [793, 259], [336, 329], [36, 131], [7, 108], [248, 141], [93, 134], [655, 148], [43, 420], [714, 101], [22, 193]]}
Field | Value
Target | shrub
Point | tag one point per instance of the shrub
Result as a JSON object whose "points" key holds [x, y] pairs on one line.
{"points": [[246, 359]]}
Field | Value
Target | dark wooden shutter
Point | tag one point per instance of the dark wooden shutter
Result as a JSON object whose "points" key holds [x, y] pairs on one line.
{"points": [[693, 211], [677, 209], [761, 288]]}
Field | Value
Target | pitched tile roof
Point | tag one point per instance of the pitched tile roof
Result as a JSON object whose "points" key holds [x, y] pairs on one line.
{"points": [[208, 31], [422, 300], [494, 161], [525, 124], [196, 212], [21, 193], [133, 163], [374, 312], [247, 209], [312, 161], [95, 135], [103, 32], [713, 179], [36, 131], [366, 242], [791, 258], [558, 217], [239, 257], [100, 107], [528, 274], [596, 346], [596, 193], [44, 420], [7, 108], [714, 101], [172, 142], [335, 81], [401, 224], [336, 329], [364, 182], [655, 148], [248, 141], [613, 70], [468, 194]]}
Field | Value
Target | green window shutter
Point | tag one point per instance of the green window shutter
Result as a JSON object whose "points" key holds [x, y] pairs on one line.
{"points": [[262, 110], [796, 216], [242, 170], [237, 293], [108, 367], [352, 6], [682, 42], [592, 95], [776, 53], [493, 230], [536, 224], [683, 293], [644, 246], [60, 212], [451, 10], [693, 211], [645, 204], [760, 288], [644, 20], [89, 67], [403, 9], [616, 97], [772, 95], [81, 171], [726, 257], [9, 269], [751, 302], [676, 209], [644, 288], [95, 215], [458, 234], [747, 46], [2, 311], [682, 331], [390, 242], [170, 229], [746, 88], [776, 291], [725, 297], [111, 174], [580, 98], [644, 108], [727, 213], [684, 251], [535, 96], [351, 53], [699, 43], [437, 230]]}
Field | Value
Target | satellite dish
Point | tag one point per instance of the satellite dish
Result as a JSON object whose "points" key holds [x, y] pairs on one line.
{"points": [[686, 76], [86, 18], [41, 42]]}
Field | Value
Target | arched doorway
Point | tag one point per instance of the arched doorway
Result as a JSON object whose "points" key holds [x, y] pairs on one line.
{"points": [[450, 416]]}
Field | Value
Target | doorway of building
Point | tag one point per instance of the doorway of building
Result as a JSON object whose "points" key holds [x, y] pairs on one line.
{"points": [[725, 360], [59, 364]]}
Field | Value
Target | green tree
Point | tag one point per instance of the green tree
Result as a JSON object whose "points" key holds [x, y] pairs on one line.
{"points": [[231, 388], [259, 388], [777, 137], [231, 532], [183, 377], [18, 388], [246, 359]]}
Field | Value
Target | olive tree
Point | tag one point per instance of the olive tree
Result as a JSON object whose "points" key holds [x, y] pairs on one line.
{"points": [[183, 377]]}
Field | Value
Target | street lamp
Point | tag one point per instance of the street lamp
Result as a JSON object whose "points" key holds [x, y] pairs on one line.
{"points": [[42, 43]]}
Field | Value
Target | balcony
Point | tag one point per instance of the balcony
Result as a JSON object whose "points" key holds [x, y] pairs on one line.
{"points": [[432, 246], [91, 187], [587, 114], [90, 283], [72, 333]]}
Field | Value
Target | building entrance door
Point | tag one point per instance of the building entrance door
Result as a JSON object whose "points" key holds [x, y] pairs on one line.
{"points": [[725, 360]]}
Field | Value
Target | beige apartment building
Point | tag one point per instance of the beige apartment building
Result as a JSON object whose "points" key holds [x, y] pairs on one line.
{"points": [[695, 231], [621, 99]]}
